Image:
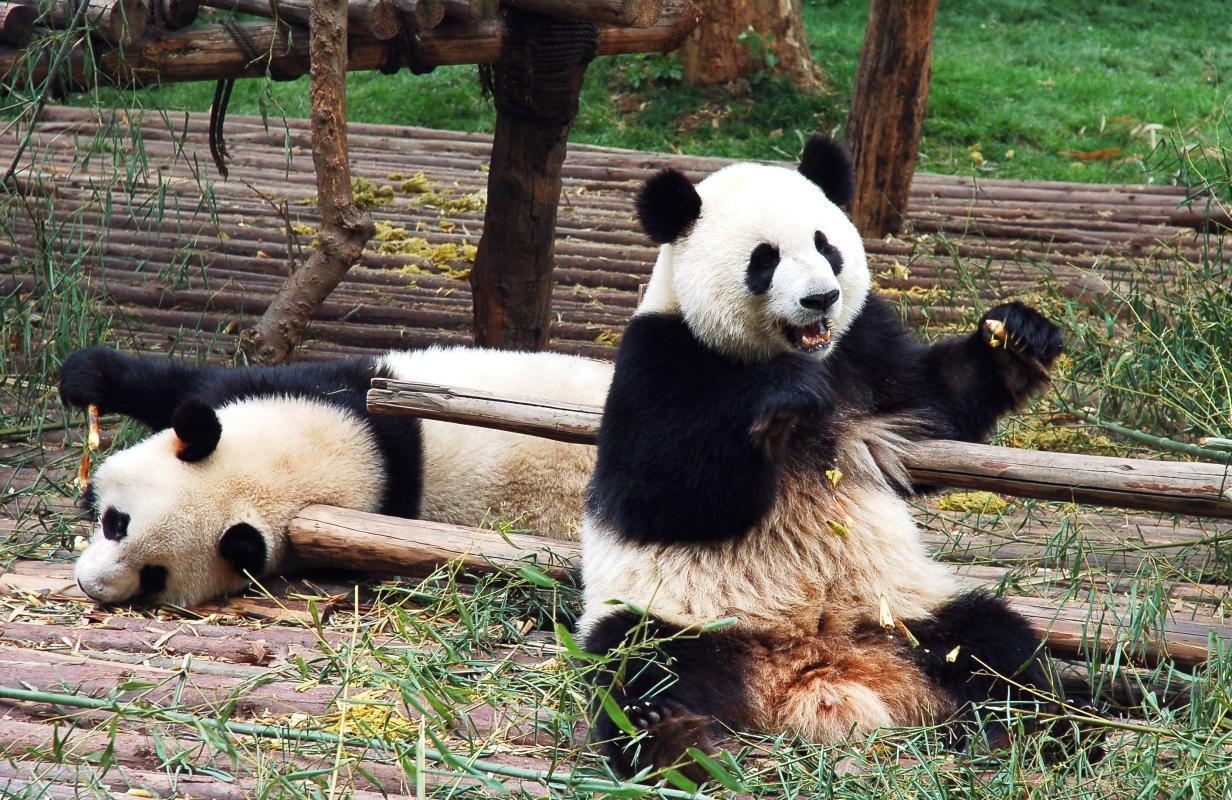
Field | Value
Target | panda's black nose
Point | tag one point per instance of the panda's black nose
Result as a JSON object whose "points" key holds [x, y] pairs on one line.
{"points": [[820, 302]]}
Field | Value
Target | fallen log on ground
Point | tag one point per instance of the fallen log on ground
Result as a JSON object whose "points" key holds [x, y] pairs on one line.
{"points": [[1178, 487], [339, 537], [211, 52]]}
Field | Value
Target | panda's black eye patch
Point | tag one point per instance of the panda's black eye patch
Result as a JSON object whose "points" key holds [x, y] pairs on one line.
{"points": [[115, 524], [762, 263], [153, 579], [828, 250]]}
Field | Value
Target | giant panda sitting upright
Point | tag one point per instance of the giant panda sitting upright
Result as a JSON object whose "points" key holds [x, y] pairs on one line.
{"points": [[185, 513], [749, 468]]}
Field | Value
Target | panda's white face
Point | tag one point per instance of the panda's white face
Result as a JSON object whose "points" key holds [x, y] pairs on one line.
{"points": [[768, 264], [171, 531]]}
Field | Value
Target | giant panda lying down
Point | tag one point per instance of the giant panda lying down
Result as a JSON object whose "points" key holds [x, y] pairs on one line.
{"points": [[184, 514], [749, 468]]}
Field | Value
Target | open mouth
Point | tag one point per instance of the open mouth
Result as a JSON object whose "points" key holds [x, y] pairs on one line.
{"points": [[810, 338]]}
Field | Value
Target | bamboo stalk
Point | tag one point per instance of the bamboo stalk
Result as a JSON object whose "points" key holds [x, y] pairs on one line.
{"points": [[1176, 487]]}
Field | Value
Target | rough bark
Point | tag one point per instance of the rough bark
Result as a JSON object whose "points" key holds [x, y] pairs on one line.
{"points": [[723, 49], [380, 19], [887, 110], [114, 21], [535, 86], [345, 227]]}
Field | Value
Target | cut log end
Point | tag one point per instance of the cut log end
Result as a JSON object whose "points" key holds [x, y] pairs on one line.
{"points": [[125, 21], [16, 24]]}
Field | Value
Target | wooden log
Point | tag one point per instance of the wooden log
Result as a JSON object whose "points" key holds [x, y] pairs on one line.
{"points": [[16, 24], [378, 19], [172, 15], [535, 88], [338, 537], [114, 21], [209, 52], [1194, 488], [424, 15], [470, 10], [887, 110], [625, 13]]}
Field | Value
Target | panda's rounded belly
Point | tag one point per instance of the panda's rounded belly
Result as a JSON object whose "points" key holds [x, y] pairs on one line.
{"points": [[782, 574]]}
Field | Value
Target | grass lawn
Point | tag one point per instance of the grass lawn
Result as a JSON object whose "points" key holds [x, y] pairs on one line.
{"points": [[1044, 89]]}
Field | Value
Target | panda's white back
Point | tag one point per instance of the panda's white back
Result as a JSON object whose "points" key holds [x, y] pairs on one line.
{"points": [[472, 473]]}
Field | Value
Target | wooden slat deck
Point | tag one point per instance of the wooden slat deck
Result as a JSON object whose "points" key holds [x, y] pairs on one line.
{"points": [[186, 277]]}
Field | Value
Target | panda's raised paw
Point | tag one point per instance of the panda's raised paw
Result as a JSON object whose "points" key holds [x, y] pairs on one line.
{"points": [[84, 376], [1021, 331]]}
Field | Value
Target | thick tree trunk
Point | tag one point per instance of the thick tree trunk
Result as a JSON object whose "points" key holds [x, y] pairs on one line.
{"points": [[535, 87], [887, 110], [345, 227], [722, 48]]}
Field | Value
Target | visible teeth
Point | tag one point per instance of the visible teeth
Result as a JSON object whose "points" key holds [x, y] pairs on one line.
{"points": [[814, 336]]}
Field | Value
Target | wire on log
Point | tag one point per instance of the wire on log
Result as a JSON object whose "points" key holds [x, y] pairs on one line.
{"points": [[377, 544], [376, 19], [16, 24], [625, 13], [118, 22], [208, 52], [1179, 487]]}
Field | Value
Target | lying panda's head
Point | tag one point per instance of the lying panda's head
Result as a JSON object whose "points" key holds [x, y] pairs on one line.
{"points": [[758, 259], [182, 515]]}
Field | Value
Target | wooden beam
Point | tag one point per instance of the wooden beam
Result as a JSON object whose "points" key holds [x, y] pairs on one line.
{"points": [[625, 13], [209, 52], [887, 111], [377, 19], [16, 24], [114, 21], [172, 15], [376, 544], [470, 10], [422, 15], [1176, 487]]}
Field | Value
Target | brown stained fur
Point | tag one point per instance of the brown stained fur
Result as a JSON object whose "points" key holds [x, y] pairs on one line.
{"points": [[849, 676]]}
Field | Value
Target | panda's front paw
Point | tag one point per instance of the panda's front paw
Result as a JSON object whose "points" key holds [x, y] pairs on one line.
{"points": [[671, 729], [85, 377], [1021, 331], [776, 418]]}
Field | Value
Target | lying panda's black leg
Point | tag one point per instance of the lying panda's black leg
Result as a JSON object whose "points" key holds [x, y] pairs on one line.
{"points": [[972, 382], [148, 389], [977, 649], [673, 686]]}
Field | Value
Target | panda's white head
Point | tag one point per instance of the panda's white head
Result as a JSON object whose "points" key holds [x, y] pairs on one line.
{"points": [[184, 514], [758, 259]]}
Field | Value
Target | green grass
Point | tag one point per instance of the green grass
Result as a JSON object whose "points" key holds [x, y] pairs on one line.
{"points": [[1025, 84]]}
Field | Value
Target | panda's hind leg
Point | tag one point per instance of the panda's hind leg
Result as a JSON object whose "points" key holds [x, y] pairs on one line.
{"points": [[978, 650], [676, 687]]}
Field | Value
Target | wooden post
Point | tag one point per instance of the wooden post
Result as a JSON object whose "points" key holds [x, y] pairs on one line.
{"points": [[345, 227], [887, 110], [535, 86]]}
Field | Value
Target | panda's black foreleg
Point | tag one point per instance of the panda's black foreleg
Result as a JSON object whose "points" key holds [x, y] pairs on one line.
{"points": [[975, 379], [145, 388], [673, 686], [979, 651]]}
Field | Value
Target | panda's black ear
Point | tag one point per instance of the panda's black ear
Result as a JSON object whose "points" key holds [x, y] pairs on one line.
{"points": [[197, 430], [827, 163], [667, 205], [243, 547]]}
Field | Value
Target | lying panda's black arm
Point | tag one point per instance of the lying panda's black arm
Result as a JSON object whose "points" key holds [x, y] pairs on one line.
{"points": [[961, 386], [145, 388], [691, 442]]}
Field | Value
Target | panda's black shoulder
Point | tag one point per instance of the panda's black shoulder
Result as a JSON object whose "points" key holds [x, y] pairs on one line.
{"points": [[877, 361]]}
